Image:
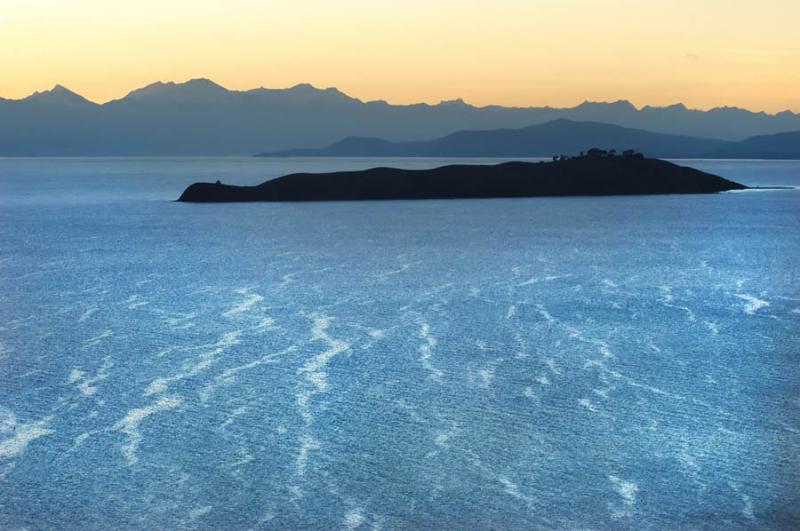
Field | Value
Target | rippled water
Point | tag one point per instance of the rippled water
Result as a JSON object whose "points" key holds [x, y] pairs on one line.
{"points": [[625, 362]]}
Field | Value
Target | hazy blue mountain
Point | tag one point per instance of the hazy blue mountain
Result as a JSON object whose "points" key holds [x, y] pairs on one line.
{"points": [[199, 117], [559, 137], [556, 137], [779, 146]]}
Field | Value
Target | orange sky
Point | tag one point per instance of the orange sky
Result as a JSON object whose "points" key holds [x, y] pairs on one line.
{"points": [[512, 52]]}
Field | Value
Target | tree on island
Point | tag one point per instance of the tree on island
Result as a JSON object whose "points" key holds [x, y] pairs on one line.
{"points": [[600, 153], [597, 152], [632, 153]]}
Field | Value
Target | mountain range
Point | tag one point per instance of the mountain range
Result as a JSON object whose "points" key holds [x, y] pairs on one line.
{"points": [[560, 136], [199, 117]]}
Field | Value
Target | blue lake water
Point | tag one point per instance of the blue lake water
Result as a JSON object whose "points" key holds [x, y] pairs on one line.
{"points": [[576, 363]]}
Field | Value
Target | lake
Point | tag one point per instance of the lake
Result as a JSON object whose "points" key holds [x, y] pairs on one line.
{"points": [[609, 362]]}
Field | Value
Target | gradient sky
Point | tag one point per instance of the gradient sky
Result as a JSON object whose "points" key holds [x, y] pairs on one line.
{"points": [[512, 52]]}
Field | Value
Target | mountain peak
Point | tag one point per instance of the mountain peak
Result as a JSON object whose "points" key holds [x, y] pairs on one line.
{"points": [[308, 88], [203, 82], [674, 107], [458, 102], [304, 93], [624, 103], [730, 108], [192, 91], [305, 87], [59, 94], [619, 105]]}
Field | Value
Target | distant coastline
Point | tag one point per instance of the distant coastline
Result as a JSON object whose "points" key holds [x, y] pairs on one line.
{"points": [[559, 136]]}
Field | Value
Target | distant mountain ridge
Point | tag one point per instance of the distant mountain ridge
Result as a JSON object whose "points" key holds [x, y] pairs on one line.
{"points": [[777, 146], [200, 117], [559, 136]]}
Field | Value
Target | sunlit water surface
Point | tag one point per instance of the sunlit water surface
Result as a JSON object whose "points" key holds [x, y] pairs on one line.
{"points": [[621, 362]]}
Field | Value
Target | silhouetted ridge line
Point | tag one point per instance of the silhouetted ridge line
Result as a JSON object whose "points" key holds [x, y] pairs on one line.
{"points": [[595, 174], [200, 117], [558, 136]]}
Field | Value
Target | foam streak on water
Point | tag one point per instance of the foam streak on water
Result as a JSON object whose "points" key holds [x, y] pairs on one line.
{"points": [[566, 363]]}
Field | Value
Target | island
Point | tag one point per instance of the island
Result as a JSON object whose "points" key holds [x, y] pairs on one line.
{"points": [[596, 173]]}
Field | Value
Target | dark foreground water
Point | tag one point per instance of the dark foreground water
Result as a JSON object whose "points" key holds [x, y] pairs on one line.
{"points": [[625, 362]]}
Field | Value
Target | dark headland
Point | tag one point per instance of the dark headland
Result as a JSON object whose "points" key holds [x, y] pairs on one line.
{"points": [[595, 174]]}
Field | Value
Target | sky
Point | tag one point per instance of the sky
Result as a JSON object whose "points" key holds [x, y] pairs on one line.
{"points": [[511, 52]]}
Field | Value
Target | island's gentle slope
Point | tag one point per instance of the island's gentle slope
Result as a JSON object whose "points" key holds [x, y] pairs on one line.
{"points": [[587, 175]]}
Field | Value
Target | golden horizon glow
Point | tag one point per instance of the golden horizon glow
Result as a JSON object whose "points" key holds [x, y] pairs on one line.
{"points": [[524, 53]]}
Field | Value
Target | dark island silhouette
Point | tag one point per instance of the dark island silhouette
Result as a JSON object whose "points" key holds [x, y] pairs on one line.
{"points": [[596, 173]]}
